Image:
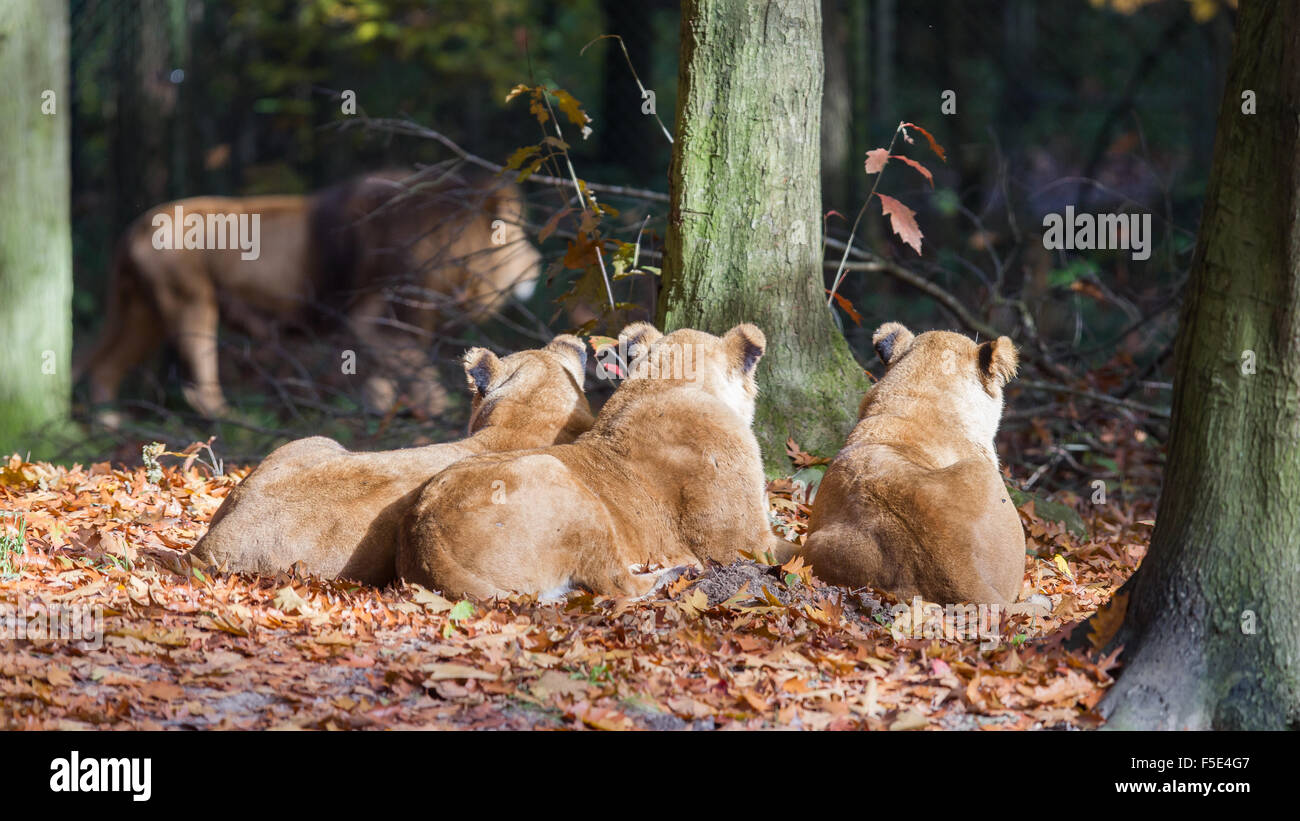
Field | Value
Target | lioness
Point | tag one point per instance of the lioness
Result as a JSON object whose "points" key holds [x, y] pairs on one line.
{"points": [[669, 475], [336, 511], [914, 503], [385, 250]]}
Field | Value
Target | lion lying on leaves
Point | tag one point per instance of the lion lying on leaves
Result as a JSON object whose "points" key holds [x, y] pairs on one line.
{"points": [[669, 475], [337, 512], [914, 503], [455, 245]]}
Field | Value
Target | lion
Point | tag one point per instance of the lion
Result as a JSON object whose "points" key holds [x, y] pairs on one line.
{"points": [[336, 512], [668, 477], [393, 254], [914, 503]]}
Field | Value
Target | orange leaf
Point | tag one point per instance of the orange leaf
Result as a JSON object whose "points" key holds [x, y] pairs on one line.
{"points": [[847, 307], [903, 220], [580, 254], [925, 172], [934, 144]]}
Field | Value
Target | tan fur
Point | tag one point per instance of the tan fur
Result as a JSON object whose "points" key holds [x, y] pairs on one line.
{"points": [[669, 475], [914, 503], [337, 512], [333, 250]]}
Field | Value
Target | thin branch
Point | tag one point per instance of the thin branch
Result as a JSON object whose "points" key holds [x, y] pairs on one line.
{"points": [[936, 292], [1162, 413], [853, 232], [408, 128], [644, 91], [577, 189]]}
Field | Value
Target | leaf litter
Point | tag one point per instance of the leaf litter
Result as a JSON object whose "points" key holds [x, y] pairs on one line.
{"points": [[749, 645]]}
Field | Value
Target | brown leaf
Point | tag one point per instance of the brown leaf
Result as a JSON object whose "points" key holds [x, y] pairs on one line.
{"points": [[801, 458], [554, 682], [441, 671], [1107, 620], [909, 720], [552, 224], [903, 220], [58, 677], [694, 602]]}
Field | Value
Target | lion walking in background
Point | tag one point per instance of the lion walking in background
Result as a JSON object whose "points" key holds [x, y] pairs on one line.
{"points": [[396, 255]]}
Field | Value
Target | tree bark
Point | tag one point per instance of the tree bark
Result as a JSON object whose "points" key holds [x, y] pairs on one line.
{"points": [[744, 232], [1212, 628], [35, 234]]}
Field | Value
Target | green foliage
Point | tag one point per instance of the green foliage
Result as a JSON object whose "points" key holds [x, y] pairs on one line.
{"points": [[13, 542], [1076, 270]]}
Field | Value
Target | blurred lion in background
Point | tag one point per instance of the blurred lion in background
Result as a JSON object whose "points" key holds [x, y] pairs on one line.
{"points": [[394, 255]]}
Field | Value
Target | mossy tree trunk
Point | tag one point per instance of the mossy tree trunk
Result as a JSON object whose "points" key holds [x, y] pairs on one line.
{"points": [[35, 235], [744, 232], [1212, 628]]}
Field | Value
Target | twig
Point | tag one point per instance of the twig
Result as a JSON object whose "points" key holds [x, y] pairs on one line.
{"points": [[409, 128], [1043, 468], [577, 189], [628, 58], [1162, 413], [853, 232], [934, 291]]}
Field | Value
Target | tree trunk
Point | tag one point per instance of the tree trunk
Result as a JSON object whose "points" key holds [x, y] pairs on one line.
{"points": [[837, 109], [1212, 628], [858, 21], [744, 231], [35, 235]]}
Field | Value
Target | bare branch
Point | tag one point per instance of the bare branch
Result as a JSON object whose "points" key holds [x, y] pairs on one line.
{"points": [[407, 127], [1151, 410]]}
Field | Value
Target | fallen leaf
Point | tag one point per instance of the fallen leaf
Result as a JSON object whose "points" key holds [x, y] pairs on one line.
{"points": [[909, 720]]}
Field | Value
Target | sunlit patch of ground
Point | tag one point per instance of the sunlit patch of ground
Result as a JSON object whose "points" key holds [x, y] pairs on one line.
{"points": [[749, 645]]}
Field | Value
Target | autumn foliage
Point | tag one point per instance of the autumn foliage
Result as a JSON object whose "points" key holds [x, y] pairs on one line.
{"points": [[749, 645]]}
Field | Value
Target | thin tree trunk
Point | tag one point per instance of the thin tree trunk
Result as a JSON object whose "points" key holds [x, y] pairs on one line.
{"points": [[744, 233], [1212, 629], [837, 108], [35, 236], [859, 48], [885, 31]]}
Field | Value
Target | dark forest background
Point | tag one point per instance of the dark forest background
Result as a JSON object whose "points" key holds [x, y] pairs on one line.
{"points": [[1107, 106]]}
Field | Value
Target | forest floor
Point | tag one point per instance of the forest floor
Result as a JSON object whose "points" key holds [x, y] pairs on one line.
{"points": [[745, 646]]}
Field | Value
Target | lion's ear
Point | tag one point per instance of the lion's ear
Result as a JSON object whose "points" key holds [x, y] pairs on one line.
{"points": [[574, 352], [745, 345], [482, 369], [636, 339], [891, 341], [998, 361]]}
